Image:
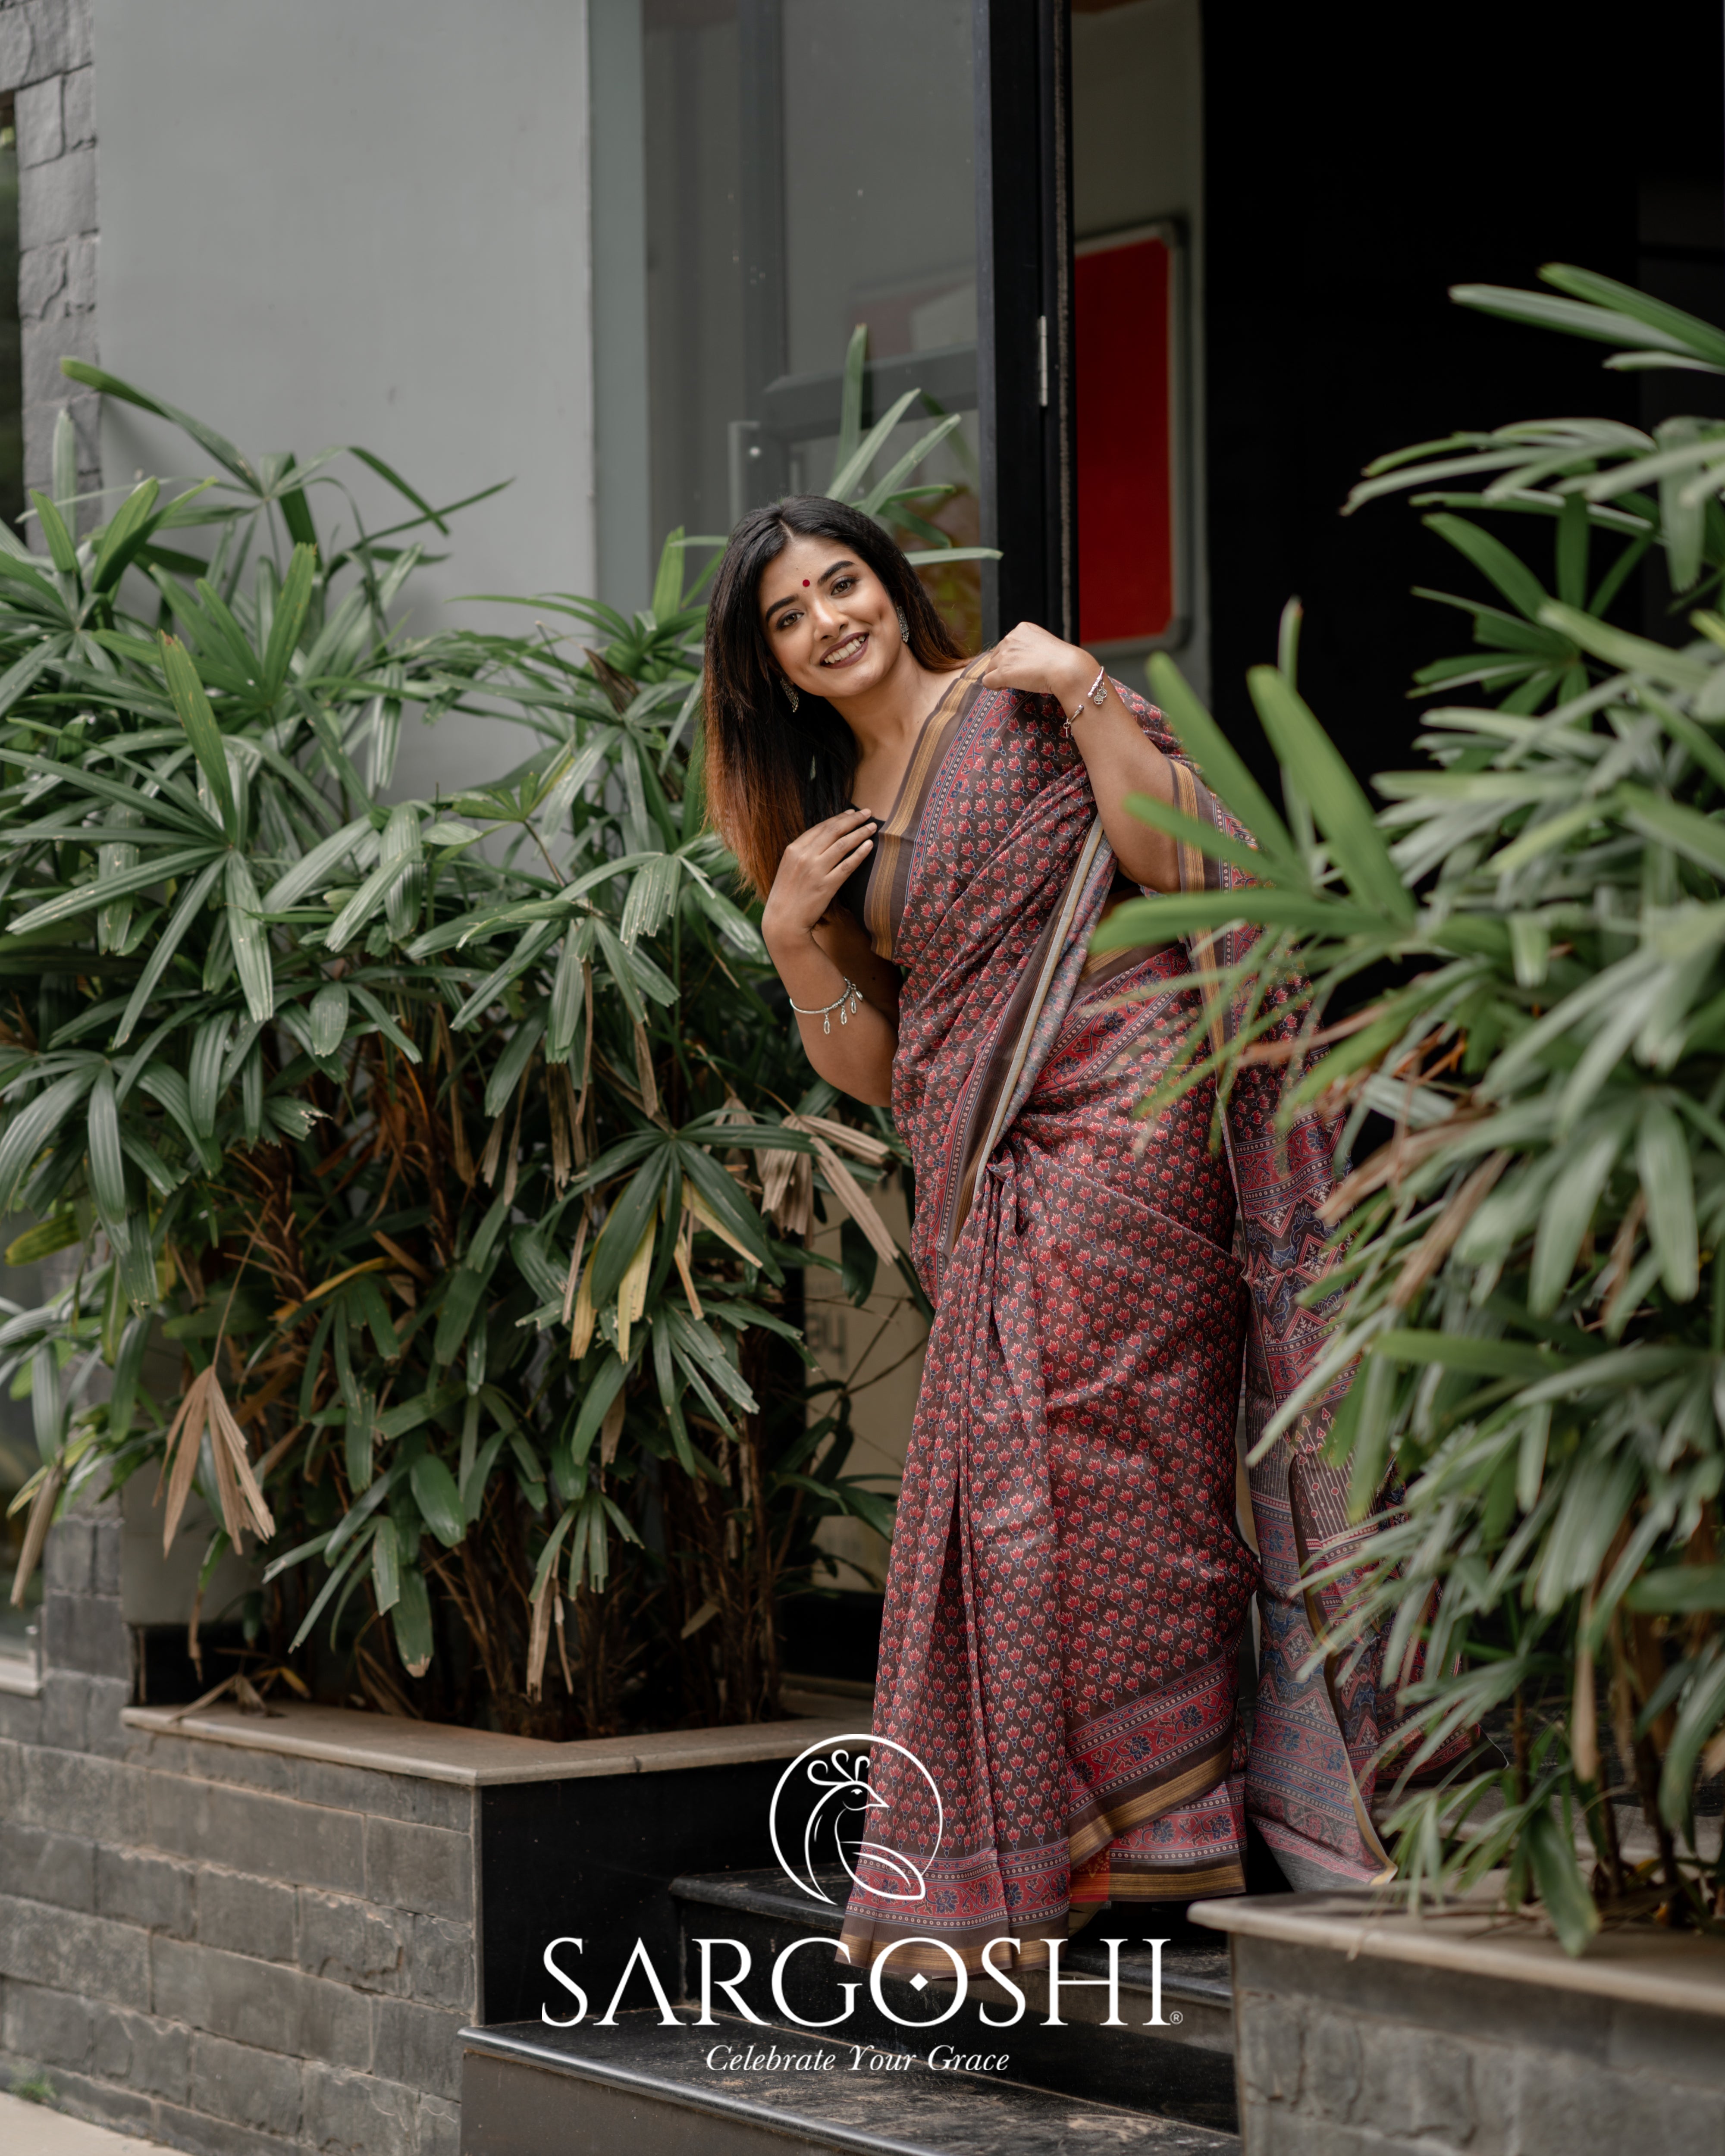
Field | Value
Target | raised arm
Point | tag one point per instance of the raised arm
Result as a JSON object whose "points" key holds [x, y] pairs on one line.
{"points": [[1117, 754], [817, 946]]}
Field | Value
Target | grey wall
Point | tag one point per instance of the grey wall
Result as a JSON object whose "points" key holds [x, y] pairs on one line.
{"points": [[622, 472], [225, 1950], [44, 58], [364, 221]]}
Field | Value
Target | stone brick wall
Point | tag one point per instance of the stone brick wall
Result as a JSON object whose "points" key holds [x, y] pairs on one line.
{"points": [[230, 1950], [1372, 2057], [86, 1649], [45, 61]]}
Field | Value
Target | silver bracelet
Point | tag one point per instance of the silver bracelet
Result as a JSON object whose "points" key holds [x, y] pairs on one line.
{"points": [[845, 1005], [1096, 695]]}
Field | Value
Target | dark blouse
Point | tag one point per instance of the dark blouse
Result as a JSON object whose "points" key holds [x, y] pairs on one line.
{"points": [[875, 892]]}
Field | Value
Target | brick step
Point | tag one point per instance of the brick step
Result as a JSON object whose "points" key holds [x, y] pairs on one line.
{"points": [[732, 2091], [1182, 2069]]}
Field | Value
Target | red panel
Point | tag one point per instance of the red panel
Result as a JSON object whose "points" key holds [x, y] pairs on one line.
{"points": [[1125, 525]]}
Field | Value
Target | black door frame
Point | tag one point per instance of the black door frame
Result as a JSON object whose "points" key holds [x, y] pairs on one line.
{"points": [[1020, 376], [1025, 376]]}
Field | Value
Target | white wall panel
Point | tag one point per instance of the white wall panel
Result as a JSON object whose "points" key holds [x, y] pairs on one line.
{"points": [[364, 221]]}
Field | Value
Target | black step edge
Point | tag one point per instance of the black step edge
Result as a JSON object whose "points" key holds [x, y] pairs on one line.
{"points": [[1193, 1968], [995, 2114]]}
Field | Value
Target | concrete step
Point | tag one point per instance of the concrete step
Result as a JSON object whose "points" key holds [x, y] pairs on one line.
{"points": [[734, 2090], [1181, 2068], [36, 2129]]}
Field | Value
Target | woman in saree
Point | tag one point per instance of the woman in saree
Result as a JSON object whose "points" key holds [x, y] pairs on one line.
{"points": [[937, 841]]}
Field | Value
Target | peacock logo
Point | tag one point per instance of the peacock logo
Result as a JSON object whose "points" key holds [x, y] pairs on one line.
{"points": [[841, 1778]]}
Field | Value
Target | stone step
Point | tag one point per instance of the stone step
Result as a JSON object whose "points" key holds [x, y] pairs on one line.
{"points": [[733, 2090], [1180, 2069]]}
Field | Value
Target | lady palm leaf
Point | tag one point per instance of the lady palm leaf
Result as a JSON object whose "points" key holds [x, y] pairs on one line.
{"points": [[1531, 1275], [361, 1107]]}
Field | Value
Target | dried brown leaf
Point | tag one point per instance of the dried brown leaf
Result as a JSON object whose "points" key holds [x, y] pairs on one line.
{"points": [[36, 1529], [680, 1250], [556, 1605], [401, 1257], [227, 1489], [1619, 1265], [631, 1289], [1434, 1245], [855, 1200], [644, 1069], [573, 1281], [562, 1165], [515, 1136], [539, 1636], [229, 1433], [179, 1455], [1390, 1162], [585, 1318], [865, 1145], [494, 1149]]}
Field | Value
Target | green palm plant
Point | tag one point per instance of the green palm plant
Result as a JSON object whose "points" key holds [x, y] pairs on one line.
{"points": [[1530, 1274], [454, 1147]]}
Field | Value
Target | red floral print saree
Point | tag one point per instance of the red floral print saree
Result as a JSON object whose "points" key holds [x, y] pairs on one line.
{"points": [[1069, 1576]]}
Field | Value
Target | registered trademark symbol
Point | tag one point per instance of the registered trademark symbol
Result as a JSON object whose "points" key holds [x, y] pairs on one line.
{"points": [[1176, 2016]]}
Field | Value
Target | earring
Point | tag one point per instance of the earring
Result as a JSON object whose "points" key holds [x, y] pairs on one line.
{"points": [[904, 627], [791, 696]]}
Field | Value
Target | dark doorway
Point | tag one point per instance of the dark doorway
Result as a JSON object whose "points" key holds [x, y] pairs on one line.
{"points": [[1347, 185]]}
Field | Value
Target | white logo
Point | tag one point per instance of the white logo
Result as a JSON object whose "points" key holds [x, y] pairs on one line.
{"points": [[842, 1784]]}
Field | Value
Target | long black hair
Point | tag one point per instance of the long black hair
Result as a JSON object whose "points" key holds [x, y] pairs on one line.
{"points": [[772, 772]]}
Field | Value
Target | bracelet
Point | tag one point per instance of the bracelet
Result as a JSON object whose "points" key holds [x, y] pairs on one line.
{"points": [[1096, 695], [845, 1005]]}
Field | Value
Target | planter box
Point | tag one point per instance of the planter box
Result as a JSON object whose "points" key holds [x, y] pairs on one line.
{"points": [[1361, 2032], [261, 1936]]}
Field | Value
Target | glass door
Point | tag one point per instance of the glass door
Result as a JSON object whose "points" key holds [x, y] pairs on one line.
{"points": [[789, 171], [814, 176]]}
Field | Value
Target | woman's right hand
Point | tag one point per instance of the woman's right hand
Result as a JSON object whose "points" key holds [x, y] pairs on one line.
{"points": [[812, 873]]}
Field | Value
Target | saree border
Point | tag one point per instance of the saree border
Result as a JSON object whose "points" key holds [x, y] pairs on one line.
{"points": [[895, 840], [1023, 1015], [1190, 1723], [993, 1082]]}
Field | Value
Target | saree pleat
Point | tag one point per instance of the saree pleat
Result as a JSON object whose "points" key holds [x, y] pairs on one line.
{"points": [[1070, 1577]]}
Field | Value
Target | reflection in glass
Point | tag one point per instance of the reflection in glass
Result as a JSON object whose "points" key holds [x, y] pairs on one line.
{"points": [[809, 169], [880, 208]]}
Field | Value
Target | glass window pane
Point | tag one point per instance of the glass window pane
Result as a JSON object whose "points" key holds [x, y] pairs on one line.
{"points": [[808, 170], [880, 202]]}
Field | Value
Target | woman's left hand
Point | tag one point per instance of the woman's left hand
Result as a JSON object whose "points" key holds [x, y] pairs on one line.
{"points": [[1032, 659]]}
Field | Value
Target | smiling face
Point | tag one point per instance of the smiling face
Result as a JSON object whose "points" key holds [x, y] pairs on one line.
{"points": [[830, 626]]}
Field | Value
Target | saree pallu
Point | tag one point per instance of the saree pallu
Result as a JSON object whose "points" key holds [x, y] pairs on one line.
{"points": [[1068, 1575]]}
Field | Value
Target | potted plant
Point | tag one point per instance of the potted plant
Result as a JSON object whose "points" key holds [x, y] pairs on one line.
{"points": [[1528, 1286], [454, 1148]]}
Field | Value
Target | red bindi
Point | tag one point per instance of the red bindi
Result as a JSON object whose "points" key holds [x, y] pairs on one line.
{"points": [[805, 583]]}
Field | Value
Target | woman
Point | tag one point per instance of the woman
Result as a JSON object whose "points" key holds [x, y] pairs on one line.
{"points": [[936, 842]]}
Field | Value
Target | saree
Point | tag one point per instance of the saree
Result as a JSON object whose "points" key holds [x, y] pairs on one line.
{"points": [[1056, 1710]]}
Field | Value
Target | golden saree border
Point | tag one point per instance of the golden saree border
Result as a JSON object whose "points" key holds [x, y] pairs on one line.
{"points": [[1185, 1727], [895, 840], [1174, 1882], [1099, 1826]]}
